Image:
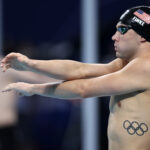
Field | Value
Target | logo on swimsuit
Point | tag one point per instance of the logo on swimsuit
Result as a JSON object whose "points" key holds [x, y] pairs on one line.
{"points": [[135, 127]]}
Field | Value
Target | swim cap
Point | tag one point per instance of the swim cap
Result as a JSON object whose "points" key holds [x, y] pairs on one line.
{"points": [[139, 20]]}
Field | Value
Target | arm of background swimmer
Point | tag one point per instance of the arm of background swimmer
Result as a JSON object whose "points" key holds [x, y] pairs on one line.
{"points": [[133, 77]]}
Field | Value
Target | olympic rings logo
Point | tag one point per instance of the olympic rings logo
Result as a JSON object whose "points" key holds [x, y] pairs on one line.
{"points": [[135, 128]]}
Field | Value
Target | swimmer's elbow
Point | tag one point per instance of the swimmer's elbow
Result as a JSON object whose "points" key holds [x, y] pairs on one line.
{"points": [[84, 93], [79, 91]]}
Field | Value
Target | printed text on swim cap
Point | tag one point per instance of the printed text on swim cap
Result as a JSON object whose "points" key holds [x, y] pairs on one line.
{"points": [[138, 21]]}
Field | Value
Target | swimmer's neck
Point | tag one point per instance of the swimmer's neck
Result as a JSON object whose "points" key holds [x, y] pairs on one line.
{"points": [[142, 52], [137, 56]]}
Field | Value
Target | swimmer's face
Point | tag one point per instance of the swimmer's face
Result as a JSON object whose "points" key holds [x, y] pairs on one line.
{"points": [[126, 41]]}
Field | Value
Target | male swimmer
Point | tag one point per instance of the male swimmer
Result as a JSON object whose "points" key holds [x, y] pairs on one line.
{"points": [[126, 79]]}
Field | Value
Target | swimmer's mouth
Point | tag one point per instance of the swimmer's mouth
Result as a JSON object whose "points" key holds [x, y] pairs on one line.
{"points": [[115, 47]]}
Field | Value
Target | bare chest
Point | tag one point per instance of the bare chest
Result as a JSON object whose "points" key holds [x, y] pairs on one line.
{"points": [[131, 102]]}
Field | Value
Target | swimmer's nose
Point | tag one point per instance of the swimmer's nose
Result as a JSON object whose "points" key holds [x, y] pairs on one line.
{"points": [[116, 36]]}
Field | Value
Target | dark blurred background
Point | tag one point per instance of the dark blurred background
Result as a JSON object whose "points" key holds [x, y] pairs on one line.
{"points": [[51, 29]]}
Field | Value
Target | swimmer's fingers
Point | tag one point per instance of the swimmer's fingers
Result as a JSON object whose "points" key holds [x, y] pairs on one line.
{"points": [[24, 89], [4, 60], [5, 67], [8, 88], [5, 64], [8, 59], [13, 86], [15, 61]]}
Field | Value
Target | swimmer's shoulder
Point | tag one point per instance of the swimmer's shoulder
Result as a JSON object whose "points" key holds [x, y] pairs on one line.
{"points": [[143, 62], [139, 65], [118, 63]]}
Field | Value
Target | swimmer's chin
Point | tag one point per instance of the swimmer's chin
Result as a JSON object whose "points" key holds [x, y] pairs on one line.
{"points": [[119, 56], [123, 58]]}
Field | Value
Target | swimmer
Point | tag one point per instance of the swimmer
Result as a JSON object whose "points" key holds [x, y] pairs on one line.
{"points": [[126, 79]]}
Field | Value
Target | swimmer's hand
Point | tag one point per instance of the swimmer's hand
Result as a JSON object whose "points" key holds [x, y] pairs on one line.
{"points": [[23, 89], [15, 61]]}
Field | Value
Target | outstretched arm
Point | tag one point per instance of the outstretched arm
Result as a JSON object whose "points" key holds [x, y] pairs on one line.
{"points": [[129, 79], [59, 69]]}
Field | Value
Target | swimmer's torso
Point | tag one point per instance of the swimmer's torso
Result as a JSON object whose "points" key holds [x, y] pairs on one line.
{"points": [[129, 121]]}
